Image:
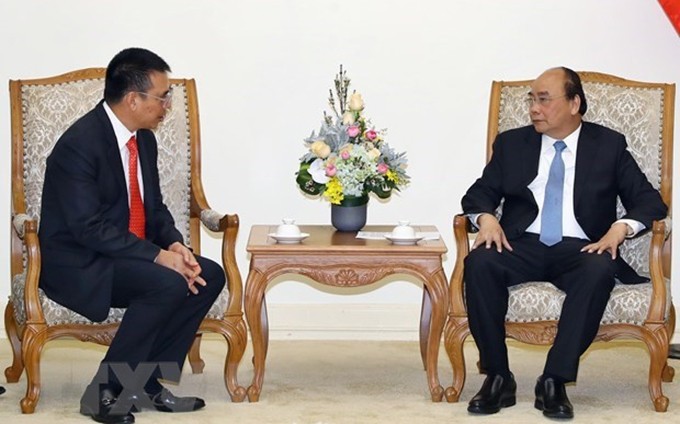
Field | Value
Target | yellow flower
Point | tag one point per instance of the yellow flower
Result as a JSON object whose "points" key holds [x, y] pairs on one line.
{"points": [[392, 176], [333, 191]]}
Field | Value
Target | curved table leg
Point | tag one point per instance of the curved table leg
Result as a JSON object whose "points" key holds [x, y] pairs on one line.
{"points": [[437, 289], [255, 287]]}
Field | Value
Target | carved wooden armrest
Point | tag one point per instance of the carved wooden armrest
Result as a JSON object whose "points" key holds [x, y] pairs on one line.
{"points": [[18, 222], [227, 224], [461, 228], [668, 222], [27, 230], [659, 259], [211, 219]]}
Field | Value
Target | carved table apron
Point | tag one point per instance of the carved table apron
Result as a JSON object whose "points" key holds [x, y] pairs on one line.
{"points": [[340, 259]]}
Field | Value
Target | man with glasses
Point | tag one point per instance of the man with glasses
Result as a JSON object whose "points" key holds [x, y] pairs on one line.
{"points": [[108, 240], [558, 180]]}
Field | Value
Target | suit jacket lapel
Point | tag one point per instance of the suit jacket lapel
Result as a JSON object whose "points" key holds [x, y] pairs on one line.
{"points": [[586, 159], [530, 157], [144, 158], [112, 150]]}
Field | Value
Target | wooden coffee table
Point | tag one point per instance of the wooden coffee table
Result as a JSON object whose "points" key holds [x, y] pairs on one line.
{"points": [[340, 259]]}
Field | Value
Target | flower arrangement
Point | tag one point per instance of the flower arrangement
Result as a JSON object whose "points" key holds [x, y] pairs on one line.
{"points": [[348, 158]]}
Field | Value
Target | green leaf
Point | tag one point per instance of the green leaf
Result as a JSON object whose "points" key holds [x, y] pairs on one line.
{"points": [[306, 183]]}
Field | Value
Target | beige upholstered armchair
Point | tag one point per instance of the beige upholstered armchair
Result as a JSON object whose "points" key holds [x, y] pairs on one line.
{"points": [[644, 113], [41, 110]]}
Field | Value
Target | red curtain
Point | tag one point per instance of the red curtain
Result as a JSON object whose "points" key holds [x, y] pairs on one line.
{"points": [[672, 9]]}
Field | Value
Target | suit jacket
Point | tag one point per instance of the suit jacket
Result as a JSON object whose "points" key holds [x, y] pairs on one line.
{"points": [[604, 170], [85, 214]]}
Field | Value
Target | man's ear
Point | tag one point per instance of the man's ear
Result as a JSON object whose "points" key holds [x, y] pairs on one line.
{"points": [[575, 104], [131, 100]]}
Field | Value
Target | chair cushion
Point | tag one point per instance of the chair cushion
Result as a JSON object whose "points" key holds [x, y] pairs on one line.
{"points": [[540, 301], [55, 314]]}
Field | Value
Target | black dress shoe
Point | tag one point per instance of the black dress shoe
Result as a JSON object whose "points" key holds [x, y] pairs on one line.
{"points": [[103, 407], [165, 401], [674, 351], [2, 390], [497, 392], [551, 398]]}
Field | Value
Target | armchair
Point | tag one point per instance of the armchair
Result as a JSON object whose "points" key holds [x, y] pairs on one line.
{"points": [[41, 109], [644, 113]]}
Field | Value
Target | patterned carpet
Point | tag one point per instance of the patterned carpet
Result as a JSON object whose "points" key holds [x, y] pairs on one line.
{"points": [[322, 382]]}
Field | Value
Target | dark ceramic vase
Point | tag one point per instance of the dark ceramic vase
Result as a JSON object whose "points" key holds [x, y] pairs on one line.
{"points": [[350, 214]]}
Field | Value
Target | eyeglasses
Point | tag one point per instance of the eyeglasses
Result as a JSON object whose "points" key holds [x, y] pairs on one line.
{"points": [[166, 101], [541, 100]]}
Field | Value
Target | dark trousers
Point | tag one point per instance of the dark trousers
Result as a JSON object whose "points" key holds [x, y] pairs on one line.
{"points": [[586, 278], [161, 319]]}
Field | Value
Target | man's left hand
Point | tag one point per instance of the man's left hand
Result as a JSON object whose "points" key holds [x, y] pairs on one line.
{"points": [[610, 241], [193, 277]]}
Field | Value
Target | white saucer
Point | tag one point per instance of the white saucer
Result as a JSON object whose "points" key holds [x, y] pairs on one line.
{"points": [[288, 239], [403, 241]]}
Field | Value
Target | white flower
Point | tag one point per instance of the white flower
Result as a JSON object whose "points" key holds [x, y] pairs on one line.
{"points": [[320, 149], [356, 102], [348, 118], [318, 172], [374, 153]]}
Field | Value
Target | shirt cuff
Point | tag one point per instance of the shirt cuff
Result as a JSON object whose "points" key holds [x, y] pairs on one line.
{"points": [[473, 217], [634, 226]]}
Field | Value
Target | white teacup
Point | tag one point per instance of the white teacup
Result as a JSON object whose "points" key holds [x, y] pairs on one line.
{"points": [[288, 228], [403, 230]]}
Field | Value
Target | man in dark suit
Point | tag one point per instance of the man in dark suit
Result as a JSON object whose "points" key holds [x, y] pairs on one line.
{"points": [[558, 179], [108, 240]]}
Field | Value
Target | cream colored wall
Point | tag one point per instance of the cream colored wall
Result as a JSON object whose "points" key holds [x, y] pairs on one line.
{"points": [[264, 67]]}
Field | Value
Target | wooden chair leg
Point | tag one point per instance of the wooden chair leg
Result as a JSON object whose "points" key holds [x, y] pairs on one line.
{"points": [[14, 371], [658, 348], [237, 339], [233, 329], [197, 364], [33, 343], [456, 332]]}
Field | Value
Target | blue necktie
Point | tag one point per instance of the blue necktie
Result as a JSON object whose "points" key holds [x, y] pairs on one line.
{"points": [[551, 216]]}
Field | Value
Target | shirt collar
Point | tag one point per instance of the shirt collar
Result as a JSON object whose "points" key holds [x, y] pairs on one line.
{"points": [[122, 133], [571, 140]]}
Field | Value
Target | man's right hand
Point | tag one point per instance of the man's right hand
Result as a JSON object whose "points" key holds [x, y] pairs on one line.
{"points": [[490, 233], [177, 262]]}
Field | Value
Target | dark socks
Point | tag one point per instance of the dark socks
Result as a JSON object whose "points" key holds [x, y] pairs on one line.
{"points": [[153, 387], [557, 378]]}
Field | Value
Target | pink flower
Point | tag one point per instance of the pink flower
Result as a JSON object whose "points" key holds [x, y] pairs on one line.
{"points": [[353, 131], [382, 168], [371, 135], [331, 170], [344, 154]]}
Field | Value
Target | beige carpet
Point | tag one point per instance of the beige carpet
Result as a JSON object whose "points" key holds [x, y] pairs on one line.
{"points": [[321, 382]]}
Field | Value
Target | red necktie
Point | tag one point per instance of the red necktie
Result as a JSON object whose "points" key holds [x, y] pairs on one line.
{"points": [[137, 220]]}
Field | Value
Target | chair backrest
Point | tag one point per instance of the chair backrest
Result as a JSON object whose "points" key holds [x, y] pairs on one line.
{"points": [[42, 109], [642, 111]]}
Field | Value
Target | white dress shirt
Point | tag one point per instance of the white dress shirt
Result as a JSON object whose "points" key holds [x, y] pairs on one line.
{"points": [[122, 137]]}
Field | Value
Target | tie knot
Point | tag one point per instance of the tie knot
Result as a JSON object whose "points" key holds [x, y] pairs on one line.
{"points": [[559, 145]]}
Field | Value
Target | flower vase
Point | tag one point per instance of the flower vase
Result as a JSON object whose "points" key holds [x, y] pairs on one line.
{"points": [[350, 214]]}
